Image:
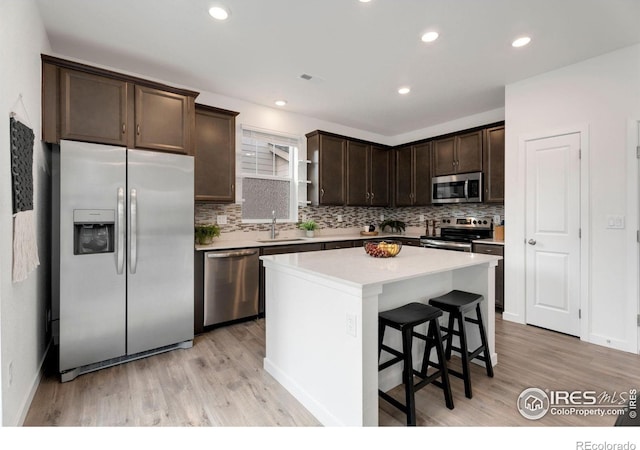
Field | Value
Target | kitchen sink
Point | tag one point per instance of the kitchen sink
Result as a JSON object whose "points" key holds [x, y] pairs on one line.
{"points": [[281, 239]]}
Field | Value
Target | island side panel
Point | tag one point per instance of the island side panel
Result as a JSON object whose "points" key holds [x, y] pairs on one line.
{"points": [[311, 352]]}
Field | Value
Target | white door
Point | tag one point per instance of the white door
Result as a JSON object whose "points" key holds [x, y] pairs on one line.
{"points": [[553, 233]]}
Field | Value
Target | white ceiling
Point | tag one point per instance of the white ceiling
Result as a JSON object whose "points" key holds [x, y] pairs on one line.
{"points": [[358, 53]]}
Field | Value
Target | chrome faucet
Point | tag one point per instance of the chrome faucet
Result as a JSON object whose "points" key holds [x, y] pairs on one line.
{"points": [[274, 233]]}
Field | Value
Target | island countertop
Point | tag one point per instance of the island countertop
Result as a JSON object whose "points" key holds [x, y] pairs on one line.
{"points": [[354, 267]]}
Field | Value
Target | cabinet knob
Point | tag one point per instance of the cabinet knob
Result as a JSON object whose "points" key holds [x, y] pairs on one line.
{"points": [[372, 196], [532, 242], [367, 196], [321, 192], [138, 129], [124, 128]]}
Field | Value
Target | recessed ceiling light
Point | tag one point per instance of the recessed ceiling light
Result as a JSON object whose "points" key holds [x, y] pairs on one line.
{"points": [[281, 102], [219, 12], [430, 36], [521, 41], [404, 90], [365, 1]]}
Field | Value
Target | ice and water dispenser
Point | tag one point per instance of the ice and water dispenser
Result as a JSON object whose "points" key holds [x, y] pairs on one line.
{"points": [[93, 231]]}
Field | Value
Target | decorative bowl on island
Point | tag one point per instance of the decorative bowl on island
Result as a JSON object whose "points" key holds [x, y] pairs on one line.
{"points": [[382, 249]]}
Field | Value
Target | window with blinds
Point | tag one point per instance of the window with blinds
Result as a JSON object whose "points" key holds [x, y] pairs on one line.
{"points": [[268, 162]]}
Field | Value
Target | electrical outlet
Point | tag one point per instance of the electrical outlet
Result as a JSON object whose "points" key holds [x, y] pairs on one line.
{"points": [[381, 217], [339, 217], [352, 325], [221, 219], [421, 217]]}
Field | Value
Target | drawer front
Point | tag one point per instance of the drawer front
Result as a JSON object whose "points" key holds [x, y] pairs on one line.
{"points": [[489, 249]]}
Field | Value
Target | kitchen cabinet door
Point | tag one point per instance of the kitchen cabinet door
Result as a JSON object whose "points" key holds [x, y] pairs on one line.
{"points": [[413, 175], [422, 174], [93, 108], [458, 154], [469, 152], [327, 171], [337, 244], [444, 158], [379, 176], [367, 174], [215, 155], [358, 193], [403, 176], [162, 120], [494, 165]]}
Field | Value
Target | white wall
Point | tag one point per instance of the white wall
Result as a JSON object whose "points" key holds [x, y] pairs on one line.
{"points": [[603, 95], [22, 305]]}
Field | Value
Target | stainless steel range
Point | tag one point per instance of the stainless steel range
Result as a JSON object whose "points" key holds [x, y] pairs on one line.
{"points": [[457, 233]]}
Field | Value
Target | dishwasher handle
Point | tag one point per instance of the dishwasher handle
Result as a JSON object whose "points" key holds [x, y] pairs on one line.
{"points": [[232, 254]]}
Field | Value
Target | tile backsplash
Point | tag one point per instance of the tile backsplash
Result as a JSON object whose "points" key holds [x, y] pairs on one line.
{"points": [[352, 216]]}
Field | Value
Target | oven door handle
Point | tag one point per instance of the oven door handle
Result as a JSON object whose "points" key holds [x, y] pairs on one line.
{"points": [[447, 244]]}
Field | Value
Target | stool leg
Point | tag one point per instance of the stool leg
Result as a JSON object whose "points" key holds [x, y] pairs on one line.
{"points": [[407, 375], [450, 335], [483, 339], [464, 353], [381, 328], [436, 335]]}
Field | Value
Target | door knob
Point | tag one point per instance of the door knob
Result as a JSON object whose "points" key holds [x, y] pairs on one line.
{"points": [[532, 242]]}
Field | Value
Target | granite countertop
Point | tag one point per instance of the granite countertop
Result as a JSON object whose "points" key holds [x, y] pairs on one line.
{"points": [[250, 242]]}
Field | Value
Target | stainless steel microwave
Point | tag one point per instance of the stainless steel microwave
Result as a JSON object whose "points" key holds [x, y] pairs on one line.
{"points": [[461, 188]]}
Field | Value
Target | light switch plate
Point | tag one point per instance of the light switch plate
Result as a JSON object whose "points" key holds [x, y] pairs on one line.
{"points": [[615, 222], [352, 325]]}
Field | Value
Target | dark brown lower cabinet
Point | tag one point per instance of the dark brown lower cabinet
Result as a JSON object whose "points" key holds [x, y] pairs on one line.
{"points": [[495, 249]]}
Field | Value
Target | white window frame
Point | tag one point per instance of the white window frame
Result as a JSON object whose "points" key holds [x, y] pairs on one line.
{"points": [[293, 171]]}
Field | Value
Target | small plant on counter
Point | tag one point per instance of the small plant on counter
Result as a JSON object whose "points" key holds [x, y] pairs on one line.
{"points": [[205, 233], [309, 225], [396, 226]]}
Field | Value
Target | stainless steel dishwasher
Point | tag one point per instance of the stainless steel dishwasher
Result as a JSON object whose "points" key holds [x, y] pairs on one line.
{"points": [[230, 285]]}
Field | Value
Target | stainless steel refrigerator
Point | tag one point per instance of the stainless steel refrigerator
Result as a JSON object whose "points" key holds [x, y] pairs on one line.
{"points": [[123, 263]]}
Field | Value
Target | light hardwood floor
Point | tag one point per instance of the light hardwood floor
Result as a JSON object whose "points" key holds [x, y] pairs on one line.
{"points": [[221, 382]]}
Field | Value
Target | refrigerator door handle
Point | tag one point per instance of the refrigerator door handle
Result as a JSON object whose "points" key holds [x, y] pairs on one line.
{"points": [[133, 231], [120, 233]]}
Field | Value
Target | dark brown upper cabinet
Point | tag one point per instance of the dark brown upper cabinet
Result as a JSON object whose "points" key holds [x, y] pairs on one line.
{"points": [[163, 120], [458, 154], [215, 155], [93, 108], [367, 174], [327, 153], [494, 164], [89, 104], [413, 175]]}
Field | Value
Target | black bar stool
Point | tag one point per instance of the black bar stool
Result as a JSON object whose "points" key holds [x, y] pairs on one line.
{"points": [[457, 303], [405, 319]]}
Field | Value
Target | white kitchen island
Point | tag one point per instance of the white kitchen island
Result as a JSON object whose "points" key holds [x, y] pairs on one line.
{"points": [[321, 316]]}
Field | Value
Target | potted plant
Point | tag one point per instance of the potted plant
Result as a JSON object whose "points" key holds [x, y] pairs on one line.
{"points": [[397, 226], [309, 226], [205, 233]]}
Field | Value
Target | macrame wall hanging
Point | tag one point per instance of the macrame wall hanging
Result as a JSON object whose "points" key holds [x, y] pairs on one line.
{"points": [[25, 248]]}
